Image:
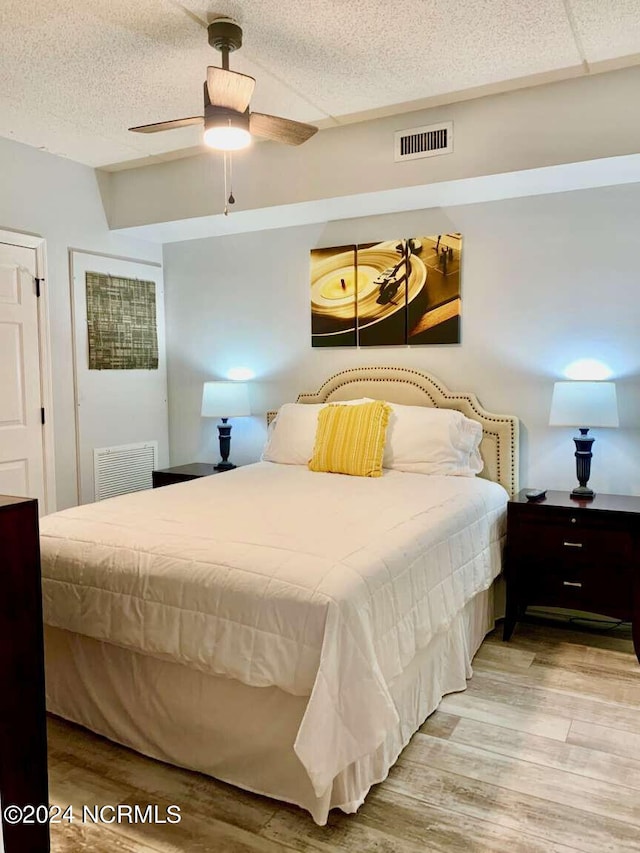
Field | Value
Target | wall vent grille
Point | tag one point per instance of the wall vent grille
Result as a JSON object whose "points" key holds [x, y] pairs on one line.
{"points": [[124, 469], [428, 141]]}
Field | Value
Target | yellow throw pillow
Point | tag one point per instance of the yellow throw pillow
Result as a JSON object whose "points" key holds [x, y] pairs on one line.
{"points": [[350, 439]]}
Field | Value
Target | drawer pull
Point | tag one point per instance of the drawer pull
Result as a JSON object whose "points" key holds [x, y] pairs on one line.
{"points": [[572, 544], [571, 583]]}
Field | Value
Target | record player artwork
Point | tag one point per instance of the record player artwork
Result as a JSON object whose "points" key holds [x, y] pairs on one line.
{"points": [[393, 293]]}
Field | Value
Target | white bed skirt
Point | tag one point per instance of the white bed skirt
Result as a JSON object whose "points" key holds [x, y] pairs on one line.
{"points": [[240, 734]]}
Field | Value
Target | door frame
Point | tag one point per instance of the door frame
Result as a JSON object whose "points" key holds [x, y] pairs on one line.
{"points": [[26, 240]]}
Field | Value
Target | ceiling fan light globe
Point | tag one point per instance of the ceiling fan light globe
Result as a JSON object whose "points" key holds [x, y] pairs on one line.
{"points": [[227, 138]]}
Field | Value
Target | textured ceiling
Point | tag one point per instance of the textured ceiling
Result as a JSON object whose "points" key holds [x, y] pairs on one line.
{"points": [[75, 74]]}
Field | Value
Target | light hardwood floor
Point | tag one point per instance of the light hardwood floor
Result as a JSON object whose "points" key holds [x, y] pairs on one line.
{"points": [[541, 754]]}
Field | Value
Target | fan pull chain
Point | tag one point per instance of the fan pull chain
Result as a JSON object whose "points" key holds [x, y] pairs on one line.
{"points": [[228, 173], [226, 209], [231, 199]]}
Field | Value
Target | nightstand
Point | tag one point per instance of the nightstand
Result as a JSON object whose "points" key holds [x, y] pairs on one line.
{"points": [[577, 555], [181, 473]]}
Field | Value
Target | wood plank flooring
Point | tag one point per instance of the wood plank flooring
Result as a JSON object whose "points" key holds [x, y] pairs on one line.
{"points": [[541, 754]]}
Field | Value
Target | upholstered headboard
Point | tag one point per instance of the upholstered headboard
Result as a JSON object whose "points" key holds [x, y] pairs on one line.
{"points": [[499, 446]]}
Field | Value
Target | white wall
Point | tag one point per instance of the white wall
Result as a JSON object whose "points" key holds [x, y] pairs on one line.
{"points": [[60, 201], [546, 280]]}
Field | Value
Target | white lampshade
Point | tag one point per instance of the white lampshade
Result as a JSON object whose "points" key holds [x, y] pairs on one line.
{"points": [[584, 404], [225, 400]]}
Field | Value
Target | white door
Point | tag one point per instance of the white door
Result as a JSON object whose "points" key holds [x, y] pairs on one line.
{"points": [[21, 434]]}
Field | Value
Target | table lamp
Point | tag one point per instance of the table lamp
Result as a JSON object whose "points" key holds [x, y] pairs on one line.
{"points": [[225, 400], [578, 403]]}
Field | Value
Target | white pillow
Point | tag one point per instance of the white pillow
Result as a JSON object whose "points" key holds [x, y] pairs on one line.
{"points": [[292, 434], [425, 440]]}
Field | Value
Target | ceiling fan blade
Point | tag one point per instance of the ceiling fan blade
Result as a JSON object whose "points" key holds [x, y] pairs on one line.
{"points": [[229, 89], [167, 125], [280, 129]]}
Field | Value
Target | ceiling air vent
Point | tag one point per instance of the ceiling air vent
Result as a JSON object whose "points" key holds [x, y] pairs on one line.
{"points": [[426, 141]]}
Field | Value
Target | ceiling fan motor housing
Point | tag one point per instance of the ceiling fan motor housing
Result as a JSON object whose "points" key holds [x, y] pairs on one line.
{"points": [[217, 116], [225, 35]]}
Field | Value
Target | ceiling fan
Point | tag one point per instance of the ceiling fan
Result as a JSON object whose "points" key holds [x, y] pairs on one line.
{"points": [[229, 125]]}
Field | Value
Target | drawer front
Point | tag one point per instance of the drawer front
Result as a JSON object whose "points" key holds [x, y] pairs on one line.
{"points": [[570, 542], [597, 588]]}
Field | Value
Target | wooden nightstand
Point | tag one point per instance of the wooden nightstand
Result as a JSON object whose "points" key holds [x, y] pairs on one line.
{"points": [[577, 555], [182, 473]]}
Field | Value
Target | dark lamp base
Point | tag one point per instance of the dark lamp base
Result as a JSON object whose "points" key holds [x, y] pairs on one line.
{"points": [[583, 493], [584, 443], [224, 432]]}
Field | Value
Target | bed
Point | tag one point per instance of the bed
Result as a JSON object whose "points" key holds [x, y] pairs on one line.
{"points": [[279, 629]]}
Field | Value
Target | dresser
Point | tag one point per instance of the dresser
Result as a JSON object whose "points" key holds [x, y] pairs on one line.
{"points": [[575, 555], [23, 734]]}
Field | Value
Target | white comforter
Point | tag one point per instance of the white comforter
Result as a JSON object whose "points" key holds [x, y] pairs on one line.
{"points": [[322, 584]]}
